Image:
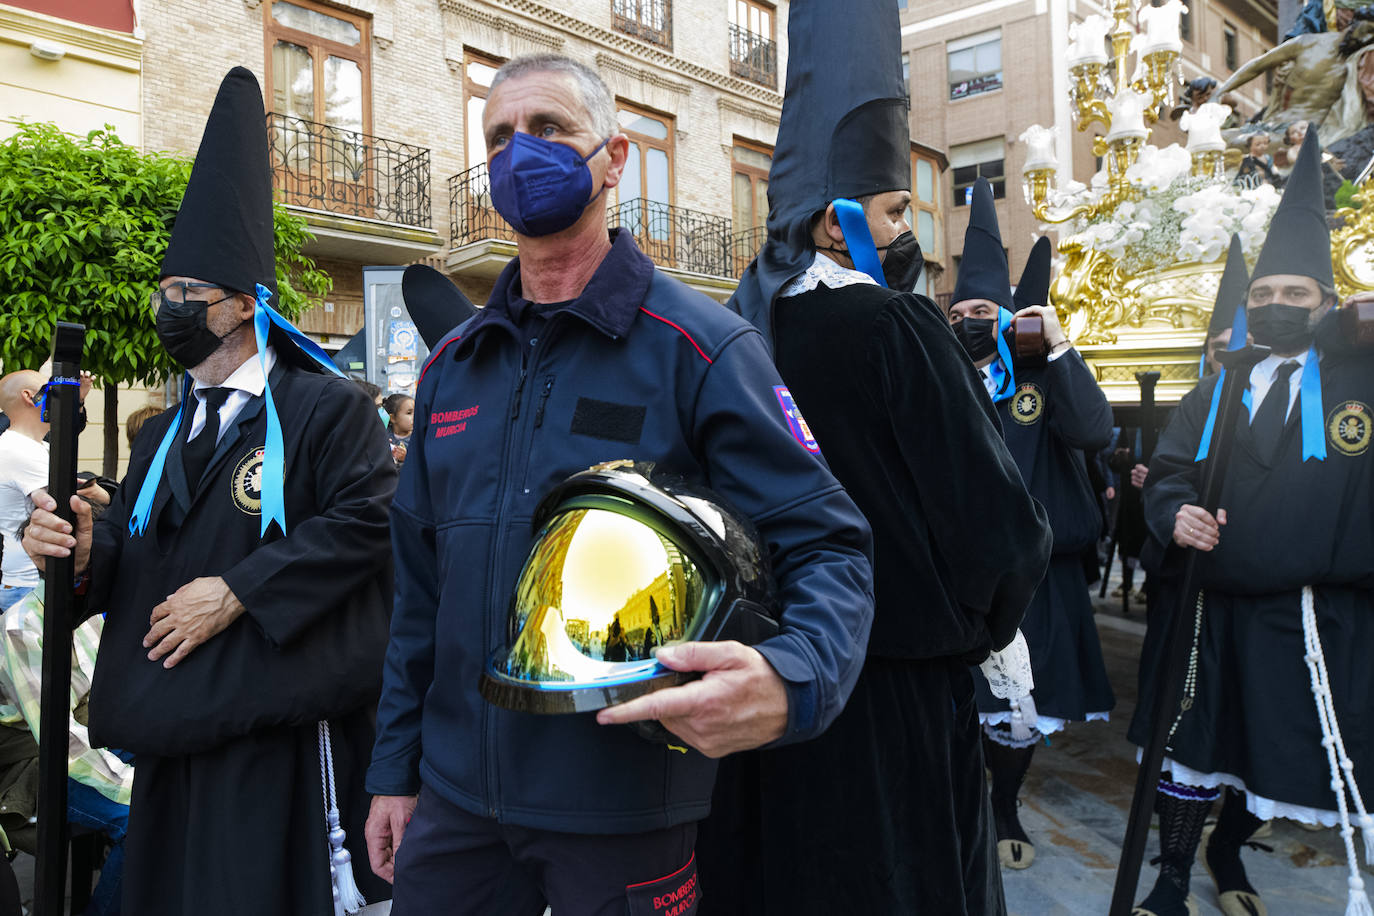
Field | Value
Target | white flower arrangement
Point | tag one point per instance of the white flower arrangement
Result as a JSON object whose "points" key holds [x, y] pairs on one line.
{"points": [[1177, 218]]}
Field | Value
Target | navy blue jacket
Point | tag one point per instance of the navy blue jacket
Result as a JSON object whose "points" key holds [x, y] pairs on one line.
{"points": [[638, 366]]}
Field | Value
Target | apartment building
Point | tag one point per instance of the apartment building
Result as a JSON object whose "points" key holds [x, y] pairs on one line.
{"points": [[982, 71], [374, 114]]}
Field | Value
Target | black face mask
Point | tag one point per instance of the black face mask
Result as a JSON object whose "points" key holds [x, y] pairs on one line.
{"points": [[182, 330], [976, 335], [903, 264], [1285, 328]]}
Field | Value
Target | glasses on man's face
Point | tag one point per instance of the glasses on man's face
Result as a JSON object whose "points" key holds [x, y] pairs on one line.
{"points": [[181, 293]]}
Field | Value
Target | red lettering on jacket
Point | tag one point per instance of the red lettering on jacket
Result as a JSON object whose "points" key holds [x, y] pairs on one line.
{"points": [[453, 416]]}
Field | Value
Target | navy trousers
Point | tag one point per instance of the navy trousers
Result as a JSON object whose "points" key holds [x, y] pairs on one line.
{"points": [[454, 862]]}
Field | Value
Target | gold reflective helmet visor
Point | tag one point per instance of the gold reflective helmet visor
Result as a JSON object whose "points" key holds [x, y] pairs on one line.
{"points": [[615, 572]]}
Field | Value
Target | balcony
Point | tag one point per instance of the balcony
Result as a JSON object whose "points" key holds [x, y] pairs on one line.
{"points": [[364, 197], [675, 237], [649, 20], [753, 57], [695, 247], [744, 245]]}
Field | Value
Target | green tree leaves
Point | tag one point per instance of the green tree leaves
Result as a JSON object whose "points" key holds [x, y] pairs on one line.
{"points": [[84, 223]]}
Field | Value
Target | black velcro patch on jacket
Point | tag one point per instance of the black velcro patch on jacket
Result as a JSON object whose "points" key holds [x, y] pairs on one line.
{"points": [[608, 420]]}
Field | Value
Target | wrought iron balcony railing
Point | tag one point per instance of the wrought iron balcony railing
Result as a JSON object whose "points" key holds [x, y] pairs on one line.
{"points": [[753, 57], [471, 217], [744, 245], [675, 236], [342, 171], [651, 20], [672, 236]]}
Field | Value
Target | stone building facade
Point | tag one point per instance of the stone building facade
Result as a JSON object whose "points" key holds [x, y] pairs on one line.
{"points": [[374, 109]]}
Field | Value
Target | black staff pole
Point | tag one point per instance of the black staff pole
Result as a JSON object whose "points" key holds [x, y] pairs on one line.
{"points": [[1149, 431], [1166, 700], [59, 610]]}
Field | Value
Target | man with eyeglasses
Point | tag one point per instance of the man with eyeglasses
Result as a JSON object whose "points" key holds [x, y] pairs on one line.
{"points": [[245, 569]]}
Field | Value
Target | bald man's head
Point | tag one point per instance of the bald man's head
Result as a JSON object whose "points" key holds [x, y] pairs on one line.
{"points": [[12, 389]]}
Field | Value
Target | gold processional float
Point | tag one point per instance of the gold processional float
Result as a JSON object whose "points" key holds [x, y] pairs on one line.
{"points": [[1142, 246]]}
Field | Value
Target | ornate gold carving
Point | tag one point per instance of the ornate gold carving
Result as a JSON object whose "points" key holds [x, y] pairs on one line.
{"points": [[1352, 245]]}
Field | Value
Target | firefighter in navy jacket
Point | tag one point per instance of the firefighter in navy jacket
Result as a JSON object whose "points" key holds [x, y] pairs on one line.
{"points": [[585, 352]]}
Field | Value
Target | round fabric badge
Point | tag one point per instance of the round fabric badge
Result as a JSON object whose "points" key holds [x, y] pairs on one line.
{"points": [[246, 484], [1348, 428], [1027, 404]]}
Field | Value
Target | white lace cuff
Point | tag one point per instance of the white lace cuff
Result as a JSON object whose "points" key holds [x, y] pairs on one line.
{"points": [[1009, 671]]}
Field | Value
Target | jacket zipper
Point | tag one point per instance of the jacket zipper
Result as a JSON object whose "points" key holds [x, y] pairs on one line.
{"points": [[498, 542], [543, 399]]}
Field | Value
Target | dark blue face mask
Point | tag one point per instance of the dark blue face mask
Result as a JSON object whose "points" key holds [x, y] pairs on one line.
{"points": [[541, 187]]}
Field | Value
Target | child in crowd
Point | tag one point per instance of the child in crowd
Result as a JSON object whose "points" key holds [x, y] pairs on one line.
{"points": [[401, 409]]}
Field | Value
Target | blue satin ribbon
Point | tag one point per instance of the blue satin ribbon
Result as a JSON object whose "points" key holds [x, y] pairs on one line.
{"points": [[1238, 332], [274, 450], [143, 506], [1310, 396], [1001, 371], [859, 239]]}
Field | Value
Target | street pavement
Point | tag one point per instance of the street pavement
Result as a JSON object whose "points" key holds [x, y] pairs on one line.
{"points": [[1078, 794]]}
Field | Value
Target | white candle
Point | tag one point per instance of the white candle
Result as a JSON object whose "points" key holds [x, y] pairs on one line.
{"points": [[1162, 27], [1128, 115], [1088, 41], [1040, 148]]}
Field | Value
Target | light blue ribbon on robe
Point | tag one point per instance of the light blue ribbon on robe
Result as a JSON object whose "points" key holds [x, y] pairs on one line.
{"points": [[1000, 370], [274, 450]]}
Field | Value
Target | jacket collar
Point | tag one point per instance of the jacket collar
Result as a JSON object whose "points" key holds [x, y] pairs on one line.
{"points": [[609, 303]]}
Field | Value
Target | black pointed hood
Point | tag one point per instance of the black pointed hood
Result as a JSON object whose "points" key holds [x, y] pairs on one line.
{"points": [[1231, 292], [1034, 288], [983, 265], [844, 132], [434, 303], [223, 229], [1299, 241]]}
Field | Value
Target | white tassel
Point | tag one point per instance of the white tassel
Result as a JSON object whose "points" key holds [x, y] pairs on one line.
{"points": [[1023, 713], [1358, 904], [347, 898]]}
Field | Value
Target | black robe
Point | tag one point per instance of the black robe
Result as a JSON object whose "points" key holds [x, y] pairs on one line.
{"points": [[1055, 413], [887, 812], [227, 813], [1290, 523]]}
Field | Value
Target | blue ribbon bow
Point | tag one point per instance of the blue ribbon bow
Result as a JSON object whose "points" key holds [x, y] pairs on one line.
{"points": [[274, 450]]}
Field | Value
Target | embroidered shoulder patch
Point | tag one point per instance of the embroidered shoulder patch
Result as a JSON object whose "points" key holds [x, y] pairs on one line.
{"points": [[246, 483], [1348, 428], [795, 422], [1027, 404]]}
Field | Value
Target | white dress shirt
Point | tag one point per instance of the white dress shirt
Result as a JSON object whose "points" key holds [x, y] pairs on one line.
{"points": [[1262, 379], [247, 381]]}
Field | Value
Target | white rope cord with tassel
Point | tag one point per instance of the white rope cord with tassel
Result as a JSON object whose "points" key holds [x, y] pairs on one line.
{"points": [[1342, 768], [347, 898]]}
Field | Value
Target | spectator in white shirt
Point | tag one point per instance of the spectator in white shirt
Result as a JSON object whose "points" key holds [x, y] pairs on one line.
{"points": [[23, 469]]}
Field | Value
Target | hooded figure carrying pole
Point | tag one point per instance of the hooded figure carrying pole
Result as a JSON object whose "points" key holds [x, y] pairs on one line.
{"points": [[245, 569], [887, 811], [1277, 688]]}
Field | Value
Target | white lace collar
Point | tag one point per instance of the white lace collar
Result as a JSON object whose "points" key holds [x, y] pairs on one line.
{"points": [[824, 270]]}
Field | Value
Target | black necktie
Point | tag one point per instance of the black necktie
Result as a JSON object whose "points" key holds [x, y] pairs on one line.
{"points": [[1273, 413], [196, 455]]}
